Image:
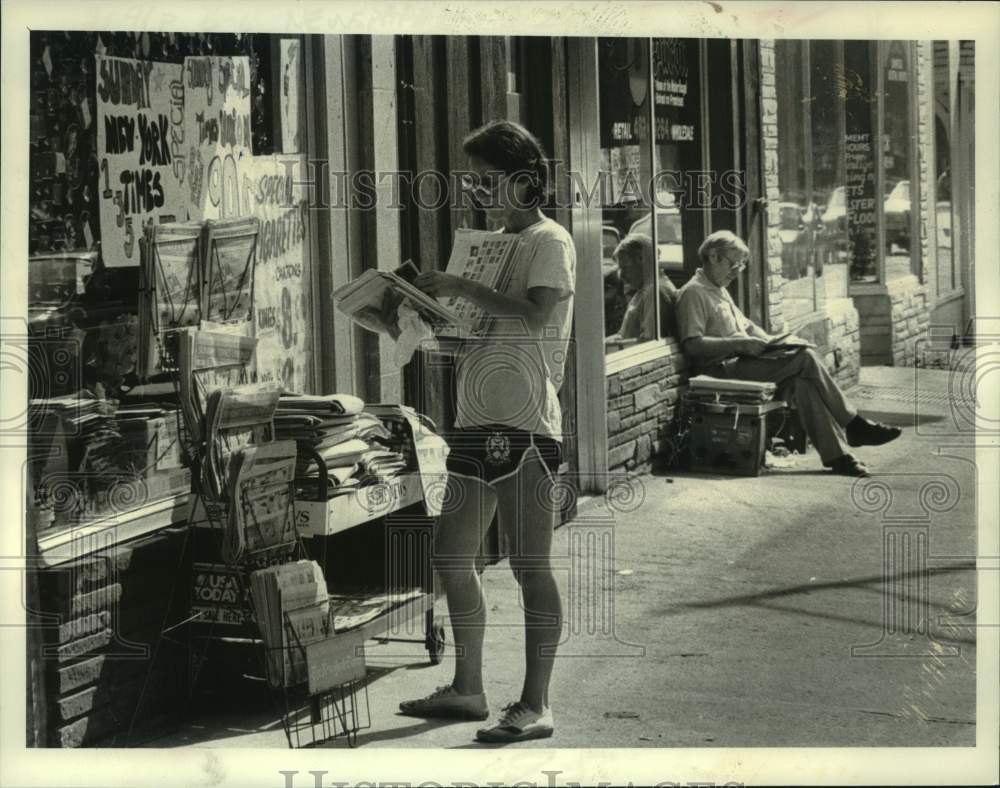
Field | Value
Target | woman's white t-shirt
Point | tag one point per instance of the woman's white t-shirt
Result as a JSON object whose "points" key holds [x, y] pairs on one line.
{"points": [[512, 376]]}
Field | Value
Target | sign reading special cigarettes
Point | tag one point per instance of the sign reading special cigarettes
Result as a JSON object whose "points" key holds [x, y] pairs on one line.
{"points": [[217, 130], [272, 192], [140, 112]]}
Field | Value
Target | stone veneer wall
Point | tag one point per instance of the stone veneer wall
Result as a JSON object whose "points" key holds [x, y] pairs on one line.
{"points": [[894, 323], [910, 320], [835, 332], [642, 401], [769, 139], [106, 663]]}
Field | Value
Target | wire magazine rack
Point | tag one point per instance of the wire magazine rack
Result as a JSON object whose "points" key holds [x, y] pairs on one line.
{"points": [[312, 711]]}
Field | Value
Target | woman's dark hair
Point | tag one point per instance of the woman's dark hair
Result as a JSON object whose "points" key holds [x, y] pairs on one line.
{"points": [[513, 150]]}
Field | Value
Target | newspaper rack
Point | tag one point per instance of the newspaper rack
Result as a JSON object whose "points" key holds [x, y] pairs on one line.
{"points": [[340, 514], [328, 704]]}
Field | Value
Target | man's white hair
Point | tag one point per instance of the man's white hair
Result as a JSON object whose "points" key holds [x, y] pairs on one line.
{"points": [[721, 241]]}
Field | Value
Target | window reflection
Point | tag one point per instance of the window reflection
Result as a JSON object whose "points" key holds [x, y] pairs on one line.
{"points": [[827, 212], [896, 159], [946, 280], [626, 155], [812, 212], [795, 210]]}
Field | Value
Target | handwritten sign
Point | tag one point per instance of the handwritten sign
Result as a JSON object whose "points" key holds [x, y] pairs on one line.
{"points": [[139, 107], [859, 163], [291, 85], [859, 182], [217, 133], [282, 291]]}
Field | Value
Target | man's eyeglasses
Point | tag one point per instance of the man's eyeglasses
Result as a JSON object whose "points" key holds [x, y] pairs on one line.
{"points": [[735, 263]]}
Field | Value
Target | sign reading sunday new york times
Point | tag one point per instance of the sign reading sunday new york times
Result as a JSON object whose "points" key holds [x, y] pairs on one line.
{"points": [[140, 109]]}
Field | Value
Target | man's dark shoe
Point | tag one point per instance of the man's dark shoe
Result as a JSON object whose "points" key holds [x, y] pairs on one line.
{"points": [[862, 432], [848, 465]]}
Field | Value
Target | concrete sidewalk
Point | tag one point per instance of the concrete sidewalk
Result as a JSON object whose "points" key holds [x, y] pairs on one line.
{"points": [[795, 609]]}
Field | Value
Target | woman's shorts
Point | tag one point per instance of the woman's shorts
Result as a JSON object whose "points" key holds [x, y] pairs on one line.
{"points": [[494, 451]]}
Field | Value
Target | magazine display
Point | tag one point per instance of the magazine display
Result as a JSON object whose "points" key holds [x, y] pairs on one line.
{"points": [[260, 512], [235, 418], [169, 290], [192, 273], [209, 361], [293, 611]]}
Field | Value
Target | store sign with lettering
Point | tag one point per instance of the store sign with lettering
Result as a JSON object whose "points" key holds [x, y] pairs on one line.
{"points": [[218, 595], [217, 129], [624, 91], [140, 112], [675, 82], [282, 292]]}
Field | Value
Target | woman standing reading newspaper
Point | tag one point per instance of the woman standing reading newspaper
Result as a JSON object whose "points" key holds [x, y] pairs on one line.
{"points": [[507, 446]]}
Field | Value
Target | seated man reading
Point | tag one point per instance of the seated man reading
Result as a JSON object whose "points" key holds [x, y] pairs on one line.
{"points": [[722, 342]]}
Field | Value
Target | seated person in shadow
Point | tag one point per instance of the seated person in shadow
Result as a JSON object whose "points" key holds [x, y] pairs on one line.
{"points": [[723, 342], [637, 267]]}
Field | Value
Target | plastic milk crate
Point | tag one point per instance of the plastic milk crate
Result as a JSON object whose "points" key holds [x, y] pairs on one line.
{"points": [[728, 437]]}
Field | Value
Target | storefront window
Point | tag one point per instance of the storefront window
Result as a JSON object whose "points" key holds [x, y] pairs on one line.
{"points": [[946, 280], [826, 213], [134, 131], [812, 211], [896, 157], [795, 209], [679, 186], [626, 164]]}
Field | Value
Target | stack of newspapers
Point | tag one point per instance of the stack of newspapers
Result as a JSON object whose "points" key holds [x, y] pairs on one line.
{"points": [[352, 444], [704, 388], [349, 611], [293, 610]]}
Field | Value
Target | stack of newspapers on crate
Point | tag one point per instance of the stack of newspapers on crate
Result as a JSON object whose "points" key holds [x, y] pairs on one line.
{"points": [[704, 388]]}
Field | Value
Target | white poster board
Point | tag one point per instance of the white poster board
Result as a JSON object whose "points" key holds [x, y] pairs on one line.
{"points": [[217, 131], [291, 84], [282, 291], [140, 133]]}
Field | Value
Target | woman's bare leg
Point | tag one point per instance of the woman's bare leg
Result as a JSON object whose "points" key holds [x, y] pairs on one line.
{"points": [[465, 516], [528, 516]]}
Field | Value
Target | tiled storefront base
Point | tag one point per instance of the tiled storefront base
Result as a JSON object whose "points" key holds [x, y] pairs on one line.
{"points": [[894, 323]]}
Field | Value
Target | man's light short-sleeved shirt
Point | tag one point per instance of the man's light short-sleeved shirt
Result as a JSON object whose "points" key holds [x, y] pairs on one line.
{"points": [[706, 310], [513, 376]]}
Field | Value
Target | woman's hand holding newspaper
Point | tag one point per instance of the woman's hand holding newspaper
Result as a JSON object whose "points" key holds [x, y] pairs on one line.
{"points": [[441, 285]]}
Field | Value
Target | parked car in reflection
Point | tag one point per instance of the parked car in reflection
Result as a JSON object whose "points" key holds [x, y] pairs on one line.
{"points": [[669, 237], [795, 235], [897, 216]]}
